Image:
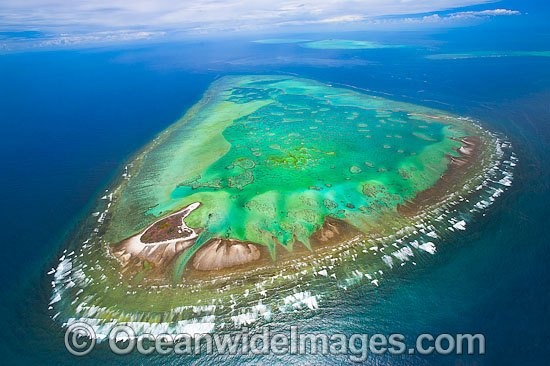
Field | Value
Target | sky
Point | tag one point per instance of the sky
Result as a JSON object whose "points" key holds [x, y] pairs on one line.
{"points": [[58, 23]]}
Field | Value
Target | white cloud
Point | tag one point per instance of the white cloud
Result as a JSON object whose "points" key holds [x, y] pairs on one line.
{"points": [[450, 19], [339, 19], [487, 12], [343, 18], [97, 37], [94, 15], [80, 21]]}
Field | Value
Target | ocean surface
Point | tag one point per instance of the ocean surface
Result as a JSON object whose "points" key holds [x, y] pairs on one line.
{"points": [[71, 118]]}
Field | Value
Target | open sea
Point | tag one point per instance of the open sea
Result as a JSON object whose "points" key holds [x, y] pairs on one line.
{"points": [[69, 120]]}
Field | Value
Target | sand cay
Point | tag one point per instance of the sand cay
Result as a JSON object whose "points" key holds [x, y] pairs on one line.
{"points": [[224, 253], [160, 242]]}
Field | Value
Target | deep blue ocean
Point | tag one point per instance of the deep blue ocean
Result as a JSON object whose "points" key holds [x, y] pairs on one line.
{"points": [[70, 118]]}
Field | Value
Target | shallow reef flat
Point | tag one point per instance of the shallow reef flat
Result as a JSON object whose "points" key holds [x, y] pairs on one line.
{"points": [[269, 195], [488, 54], [342, 44]]}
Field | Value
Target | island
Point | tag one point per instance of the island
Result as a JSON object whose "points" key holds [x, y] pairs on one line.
{"points": [[270, 194]]}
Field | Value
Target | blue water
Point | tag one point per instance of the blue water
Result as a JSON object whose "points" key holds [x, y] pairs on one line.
{"points": [[69, 119]]}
